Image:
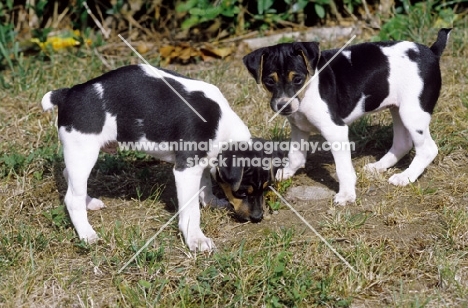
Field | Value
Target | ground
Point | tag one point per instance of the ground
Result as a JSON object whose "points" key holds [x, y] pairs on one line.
{"points": [[407, 244]]}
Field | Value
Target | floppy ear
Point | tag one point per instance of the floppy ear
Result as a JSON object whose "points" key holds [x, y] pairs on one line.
{"points": [[254, 63], [231, 175], [310, 52]]}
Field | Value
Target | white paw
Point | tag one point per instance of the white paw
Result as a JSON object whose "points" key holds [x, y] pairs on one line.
{"points": [[284, 174], [374, 168], [90, 237], [200, 243], [343, 198], [399, 179], [94, 204]]}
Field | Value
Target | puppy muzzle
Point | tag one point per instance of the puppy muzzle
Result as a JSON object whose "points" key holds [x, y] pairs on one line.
{"points": [[284, 105]]}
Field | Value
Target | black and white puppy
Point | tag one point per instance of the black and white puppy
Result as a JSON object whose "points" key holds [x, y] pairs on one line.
{"points": [[368, 77], [134, 104]]}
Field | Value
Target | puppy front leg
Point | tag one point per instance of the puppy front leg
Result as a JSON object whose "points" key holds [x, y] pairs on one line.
{"points": [[187, 184], [296, 156], [337, 137]]}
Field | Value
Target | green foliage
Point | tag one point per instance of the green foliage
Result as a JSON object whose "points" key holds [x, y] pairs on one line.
{"points": [[320, 7], [411, 21], [58, 217], [204, 10], [16, 163], [7, 37]]}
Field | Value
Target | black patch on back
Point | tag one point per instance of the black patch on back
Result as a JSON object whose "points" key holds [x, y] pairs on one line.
{"points": [[144, 106], [82, 109], [344, 81]]}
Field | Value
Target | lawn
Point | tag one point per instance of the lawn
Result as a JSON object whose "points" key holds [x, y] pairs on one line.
{"points": [[407, 244]]}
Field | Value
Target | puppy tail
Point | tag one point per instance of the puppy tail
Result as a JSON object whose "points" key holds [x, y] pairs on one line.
{"points": [[54, 98], [442, 38]]}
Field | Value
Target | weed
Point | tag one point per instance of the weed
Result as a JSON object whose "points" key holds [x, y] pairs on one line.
{"points": [[412, 21]]}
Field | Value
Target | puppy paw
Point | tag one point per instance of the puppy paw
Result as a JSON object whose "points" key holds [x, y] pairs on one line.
{"points": [[374, 168], [94, 204], [399, 179], [284, 174], [200, 243], [90, 237], [343, 198]]}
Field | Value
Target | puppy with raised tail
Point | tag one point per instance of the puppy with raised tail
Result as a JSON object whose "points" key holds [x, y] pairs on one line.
{"points": [[402, 76], [135, 104]]}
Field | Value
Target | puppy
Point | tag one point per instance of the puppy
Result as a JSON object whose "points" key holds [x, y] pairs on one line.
{"points": [[244, 174], [402, 76], [135, 104]]}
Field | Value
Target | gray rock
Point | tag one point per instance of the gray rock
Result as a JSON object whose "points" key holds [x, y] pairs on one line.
{"points": [[308, 193]]}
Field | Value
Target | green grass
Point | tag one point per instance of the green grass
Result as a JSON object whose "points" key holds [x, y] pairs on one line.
{"points": [[407, 243]]}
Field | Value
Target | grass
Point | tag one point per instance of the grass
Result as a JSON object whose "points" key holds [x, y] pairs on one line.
{"points": [[407, 243]]}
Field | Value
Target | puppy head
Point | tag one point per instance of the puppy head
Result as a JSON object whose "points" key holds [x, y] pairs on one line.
{"points": [[243, 176], [283, 70]]}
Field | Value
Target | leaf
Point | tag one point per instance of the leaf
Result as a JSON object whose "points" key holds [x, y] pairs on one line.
{"points": [[165, 51], [279, 268], [263, 6], [190, 22], [319, 10], [185, 7], [219, 52], [145, 284]]}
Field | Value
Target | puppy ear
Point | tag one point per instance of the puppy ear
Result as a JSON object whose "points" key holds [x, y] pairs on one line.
{"points": [[231, 175], [310, 52], [254, 63]]}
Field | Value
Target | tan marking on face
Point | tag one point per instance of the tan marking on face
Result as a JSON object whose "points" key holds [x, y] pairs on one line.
{"points": [[301, 94], [307, 63], [239, 205], [265, 88], [274, 75], [291, 75], [275, 78], [265, 185], [260, 69], [250, 190]]}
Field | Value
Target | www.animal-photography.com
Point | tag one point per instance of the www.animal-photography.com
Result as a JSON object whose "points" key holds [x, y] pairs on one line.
{"points": [[233, 154]]}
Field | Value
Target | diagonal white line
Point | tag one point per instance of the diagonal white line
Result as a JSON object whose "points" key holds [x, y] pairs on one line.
{"points": [[313, 230], [313, 77], [159, 231], [156, 71]]}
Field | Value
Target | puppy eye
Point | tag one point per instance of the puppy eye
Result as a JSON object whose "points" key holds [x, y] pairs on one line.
{"points": [[240, 194], [297, 80], [269, 81]]}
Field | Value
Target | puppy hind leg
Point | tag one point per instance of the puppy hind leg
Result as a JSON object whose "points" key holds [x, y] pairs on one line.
{"points": [[402, 144], [79, 161], [417, 124], [92, 204]]}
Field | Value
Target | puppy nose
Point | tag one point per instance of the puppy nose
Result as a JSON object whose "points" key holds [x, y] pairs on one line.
{"points": [[256, 217], [282, 105]]}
